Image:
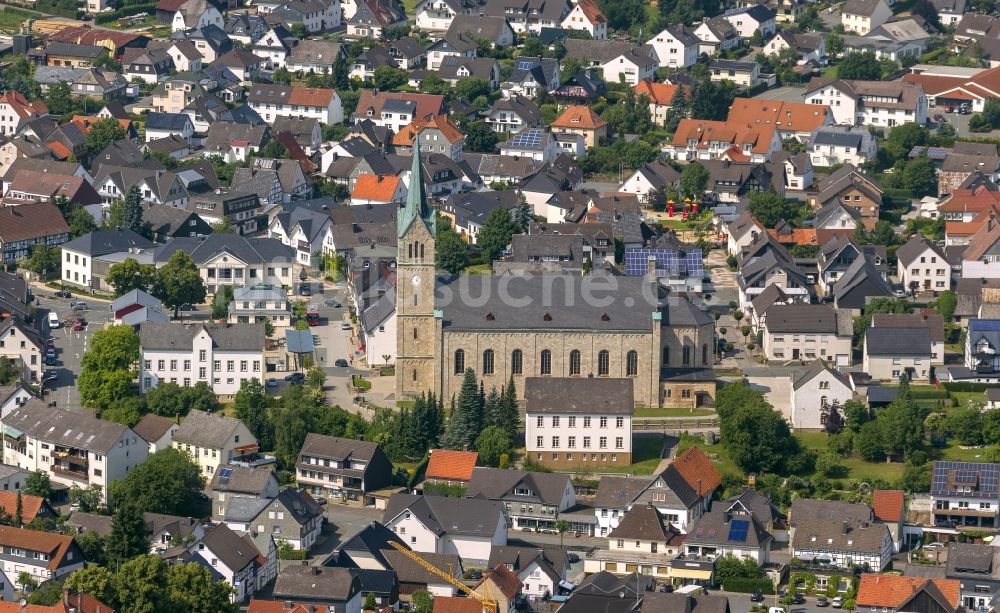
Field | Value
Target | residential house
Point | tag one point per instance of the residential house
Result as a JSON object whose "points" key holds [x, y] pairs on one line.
{"points": [[750, 19], [853, 188], [161, 222], [246, 28], [863, 16], [807, 332], [833, 145], [863, 103], [22, 227], [243, 64], [741, 73], [196, 14], [13, 396], [439, 15], [16, 111], [337, 590], [981, 258], [72, 448], [974, 565], [274, 46], [231, 259], [923, 266], [540, 570], [618, 60], [78, 255], [340, 468], [579, 119], [371, 106], [891, 353], [373, 17], [861, 282], [527, 19], [260, 303], [410, 54], [964, 494], [697, 139], [434, 135], [72, 55], [807, 47], [967, 160], [414, 577], [535, 143], [211, 440], [643, 537], [836, 256], [532, 76], [839, 534], [773, 266], [191, 354], [981, 343], [315, 15], [499, 584], [676, 47], [149, 65], [241, 480], [897, 593], [533, 501], [741, 232], [306, 131], [816, 392], [304, 229], [586, 15], [291, 517], [454, 69], [313, 56], [235, 141], [513, 114], [273, 101], [42, 555], [156, 430], [236, 559], [450, 468], [717, 35], [469, 527], [745, 520], [660, 95], [378, 189], [163, 125], [681, 492], [583, 87], [274, 181], [185, 56]]}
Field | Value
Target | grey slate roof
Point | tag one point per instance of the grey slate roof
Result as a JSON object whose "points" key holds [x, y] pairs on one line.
{"points": [[373, 540], [802, 318], [645, 522], [337, 447], [167, 121], [815, 368], [914, 247], [235, 551], [496, 484], [551, 561], [38, 420], [225, 337], [598, 395], [242, 479], [103, 242], [243, 509], [206, 430], [409, 571], [442, 515], [250, 250], [152, 427], [892, 341], [818, 521]]}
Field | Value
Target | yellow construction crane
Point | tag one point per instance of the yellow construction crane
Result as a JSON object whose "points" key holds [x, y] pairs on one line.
{"points": [[488, 604]]}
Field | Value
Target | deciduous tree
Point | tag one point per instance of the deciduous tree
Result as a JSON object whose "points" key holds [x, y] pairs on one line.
{"points": [[166, 482], [179, 282], [129, 274]]}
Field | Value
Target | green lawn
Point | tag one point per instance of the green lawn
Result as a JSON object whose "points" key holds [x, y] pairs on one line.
{"points": [[672, 412], [479, 269], [11, 19], [962, 398]]}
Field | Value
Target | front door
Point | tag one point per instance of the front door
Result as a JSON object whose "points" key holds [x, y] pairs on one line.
{"points": [[795, 354]]}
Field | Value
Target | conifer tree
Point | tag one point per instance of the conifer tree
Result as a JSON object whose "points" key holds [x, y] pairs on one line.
{"points": [[465, 420]]}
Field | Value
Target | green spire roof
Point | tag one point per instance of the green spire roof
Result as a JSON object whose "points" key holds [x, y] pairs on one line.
{"points": [[416, 199]]}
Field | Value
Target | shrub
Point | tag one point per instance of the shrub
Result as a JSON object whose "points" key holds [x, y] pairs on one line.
{"points": [[749, 586]]}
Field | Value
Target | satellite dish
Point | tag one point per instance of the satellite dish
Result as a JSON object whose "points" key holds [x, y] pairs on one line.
{"points": [[865, 488]]}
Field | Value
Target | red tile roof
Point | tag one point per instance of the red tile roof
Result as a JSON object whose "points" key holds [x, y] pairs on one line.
{"points": [[375, 187], [428, 105], [659, 93], [893, 591], [505, 580], [579, 116], [453, 604], [888, 504], [797, 236], [278, 606], [311, 96], [20, 105], [30, 505], [698, 471], [592, 11], [451, 465], [704, 132], [787, 116], [406, 136], [55, 545], [59, 150]]}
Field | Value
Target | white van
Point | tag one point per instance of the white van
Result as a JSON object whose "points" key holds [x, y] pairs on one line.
{"points": [[54, 320]]}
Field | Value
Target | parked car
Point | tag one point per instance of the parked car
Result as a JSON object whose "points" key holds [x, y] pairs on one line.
{"points": [[295, 377], [305, 290], [186, 307], [78, 305], [50, 359], [572, 558], [821, 601], [79, 324], [271, 383], [798, 598], [757, 597], [345, 326], [965, 109], [63, 294], [949, 109], [341, 363], [50, 375], [940, 118], [837, 602]]}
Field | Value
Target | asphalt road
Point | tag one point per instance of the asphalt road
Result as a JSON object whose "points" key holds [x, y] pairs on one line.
{"points": [[70, 345]]}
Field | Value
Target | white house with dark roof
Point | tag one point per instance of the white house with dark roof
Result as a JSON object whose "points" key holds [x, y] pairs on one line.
{"points": [[738, 527], [965, 494], [218, 355], [863, 16], [890, 353], [839, 534], [236, 559], [72, 448], [540, 570], [831, 145], [158, 431], [676, 47], [12, 396], [23, 345], [469, 527], [644, 538], [815, 391], [807, 332], [232, 259], [213, 440], [241, 480], [78, 266], [751, 19], [681, 492]]}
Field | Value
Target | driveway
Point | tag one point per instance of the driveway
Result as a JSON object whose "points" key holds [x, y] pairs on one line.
{"points": [[777, 389]]}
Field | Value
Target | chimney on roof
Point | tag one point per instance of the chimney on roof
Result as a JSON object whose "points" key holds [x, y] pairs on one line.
{"points": [[846, 526]]}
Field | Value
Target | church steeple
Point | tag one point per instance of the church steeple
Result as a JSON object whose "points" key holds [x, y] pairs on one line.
{"points": [[416, 199]]}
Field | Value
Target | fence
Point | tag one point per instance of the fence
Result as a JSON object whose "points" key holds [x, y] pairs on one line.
{"points": [[675, 424]]}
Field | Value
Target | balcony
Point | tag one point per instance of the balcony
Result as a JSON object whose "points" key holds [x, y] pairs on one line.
{"points": [[692, 561], [71, 471], [966, 512]]}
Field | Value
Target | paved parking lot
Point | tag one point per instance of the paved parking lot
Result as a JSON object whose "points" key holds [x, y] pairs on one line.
{"points": [[70, 345]]}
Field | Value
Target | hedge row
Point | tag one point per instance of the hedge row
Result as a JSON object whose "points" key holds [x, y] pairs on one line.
{"points": [[930, 394], [962, 386], [127, 11], [749, 586]]}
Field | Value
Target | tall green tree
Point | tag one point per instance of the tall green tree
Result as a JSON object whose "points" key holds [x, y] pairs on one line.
{"points": [[451, 252], [291, 425], [80, 222], [37, 484], [251, 409], [694, 179], [102, 133], [167, 482], [96, 580], [496, 233], [129, 274], [492, 443], [191, 588], [524, 215], [44, 260], [132, 210], [107, 368], [465, 421], [862, 66], [480, 137], [128, 534], [179, 282]]}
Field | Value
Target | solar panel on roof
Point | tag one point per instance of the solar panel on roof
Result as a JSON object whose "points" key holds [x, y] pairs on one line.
{"points": [[668, 262], [738, 529], [225, 473], [986, 325], [525, 65]]}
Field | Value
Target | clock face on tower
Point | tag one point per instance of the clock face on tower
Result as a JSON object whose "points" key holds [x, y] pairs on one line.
{"points": [[415, 280]]}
